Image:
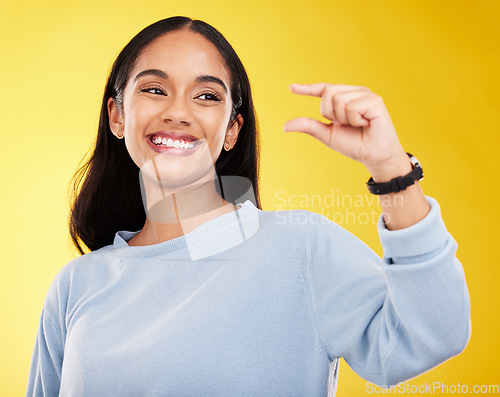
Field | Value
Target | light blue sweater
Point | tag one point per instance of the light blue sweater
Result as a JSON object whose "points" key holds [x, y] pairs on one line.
{"points": [[252, 303]]}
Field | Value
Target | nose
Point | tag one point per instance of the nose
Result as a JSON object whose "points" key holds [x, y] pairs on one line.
{"points": [[176, 111]]}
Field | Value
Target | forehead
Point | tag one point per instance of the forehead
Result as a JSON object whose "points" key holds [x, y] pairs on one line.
{"points": [[183, 53]]}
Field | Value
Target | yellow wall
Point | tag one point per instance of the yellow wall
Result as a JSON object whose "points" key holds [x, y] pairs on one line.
{"points": [[435, 64]]}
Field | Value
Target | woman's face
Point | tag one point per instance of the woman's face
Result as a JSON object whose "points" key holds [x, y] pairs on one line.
{"points": [[176, 109]]}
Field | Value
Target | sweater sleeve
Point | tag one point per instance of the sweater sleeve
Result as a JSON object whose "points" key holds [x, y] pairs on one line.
{"points": [[44, 378], [394, 318], [46, 364]]}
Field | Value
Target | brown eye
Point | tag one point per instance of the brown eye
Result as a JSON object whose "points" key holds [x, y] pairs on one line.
{"points": [[153, 90], [208, 96]]}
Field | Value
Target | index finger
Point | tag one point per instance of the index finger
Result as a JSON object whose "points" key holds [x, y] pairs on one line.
{"points": [[315, 89]]}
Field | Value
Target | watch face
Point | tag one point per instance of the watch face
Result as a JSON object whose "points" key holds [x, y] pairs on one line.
{"points": [[413, 160], [416, 164]]}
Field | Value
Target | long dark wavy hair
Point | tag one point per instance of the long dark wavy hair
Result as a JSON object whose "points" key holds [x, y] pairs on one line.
{"points": [[106, 195]]}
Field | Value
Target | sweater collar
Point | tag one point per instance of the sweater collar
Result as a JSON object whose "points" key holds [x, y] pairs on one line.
{"points": [[214, 236]]}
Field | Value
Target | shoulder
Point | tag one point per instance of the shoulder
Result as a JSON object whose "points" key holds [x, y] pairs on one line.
{"points": [[80, 274], [95, 261], [293, 221], [322, 238], [311, 228]]}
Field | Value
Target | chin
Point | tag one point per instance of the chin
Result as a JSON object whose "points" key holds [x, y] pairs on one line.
{"points": [[176, 173]]}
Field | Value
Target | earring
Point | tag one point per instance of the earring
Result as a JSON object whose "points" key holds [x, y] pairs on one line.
{"points": [[227, 146], [119, 134]]}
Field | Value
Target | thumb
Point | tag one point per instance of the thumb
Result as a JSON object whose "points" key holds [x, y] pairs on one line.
{"points": [[313, 127]]}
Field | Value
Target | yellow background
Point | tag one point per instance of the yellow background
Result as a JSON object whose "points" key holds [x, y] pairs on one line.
{"points": [[435, 63]]}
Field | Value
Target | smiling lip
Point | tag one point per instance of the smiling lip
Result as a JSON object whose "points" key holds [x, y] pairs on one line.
{"points": [[174, 136]]}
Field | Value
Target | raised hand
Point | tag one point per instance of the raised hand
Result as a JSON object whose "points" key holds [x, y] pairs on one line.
{"points": [[360, 128]]}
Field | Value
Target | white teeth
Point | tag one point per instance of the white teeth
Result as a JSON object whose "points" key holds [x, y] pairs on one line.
{"points": [[171, 143]]}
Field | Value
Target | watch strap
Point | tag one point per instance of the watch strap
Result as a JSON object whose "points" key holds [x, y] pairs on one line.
{"points": [[400, 183]]}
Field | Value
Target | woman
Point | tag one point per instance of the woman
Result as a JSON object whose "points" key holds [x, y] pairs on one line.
{"points": [[213, 296]]}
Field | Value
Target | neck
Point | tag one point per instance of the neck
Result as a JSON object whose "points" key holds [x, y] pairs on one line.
{"points": [[174, 212]]}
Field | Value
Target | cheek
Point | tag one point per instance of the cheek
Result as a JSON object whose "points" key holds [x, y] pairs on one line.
{"points": [[216, 134], [134, 151], [136, 120], [214, 124], [138, 114]]}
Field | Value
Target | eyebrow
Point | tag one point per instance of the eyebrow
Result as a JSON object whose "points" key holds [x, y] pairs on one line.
{"points": [[151, 72], [211, 79], [200, 79]]}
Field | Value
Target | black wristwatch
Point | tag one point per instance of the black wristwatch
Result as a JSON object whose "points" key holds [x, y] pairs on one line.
{"points": [[400, 183]]}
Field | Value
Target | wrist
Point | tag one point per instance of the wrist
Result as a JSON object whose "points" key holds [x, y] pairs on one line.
{"points": [[398, 183], [389, 170]]}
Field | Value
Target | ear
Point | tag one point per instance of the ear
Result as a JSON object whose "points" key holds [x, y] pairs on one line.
{"points": [[234, 130], [116, 121]]}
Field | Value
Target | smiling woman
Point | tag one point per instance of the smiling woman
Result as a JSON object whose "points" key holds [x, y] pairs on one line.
{"points": [[191, 288], [180, 86], [178, 79]]}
